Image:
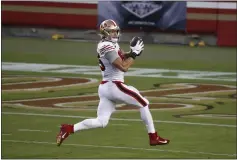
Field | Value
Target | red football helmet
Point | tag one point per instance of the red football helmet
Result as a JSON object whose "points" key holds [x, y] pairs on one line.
{"points": [[109, 30]]}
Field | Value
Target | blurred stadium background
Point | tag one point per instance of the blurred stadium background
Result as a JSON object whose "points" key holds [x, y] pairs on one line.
{"points": [[206, 23], [189, 62]]}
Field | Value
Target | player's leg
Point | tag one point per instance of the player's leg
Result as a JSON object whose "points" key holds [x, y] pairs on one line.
{"points": [[130, 95], [105, 109]]}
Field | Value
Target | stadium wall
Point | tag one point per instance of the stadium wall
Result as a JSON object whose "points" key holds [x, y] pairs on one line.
{"points": [[218, 18]]}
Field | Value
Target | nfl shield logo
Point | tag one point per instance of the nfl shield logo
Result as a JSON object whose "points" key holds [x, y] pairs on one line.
{"points": [[141, 9]]}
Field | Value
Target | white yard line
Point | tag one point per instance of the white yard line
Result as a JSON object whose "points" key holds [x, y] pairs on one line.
{"points": [[117, 119], [32, 130], [6, 134], [120, 124], [121, 147], [138, 72]]}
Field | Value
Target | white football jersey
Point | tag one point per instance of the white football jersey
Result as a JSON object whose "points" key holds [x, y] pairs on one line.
{"points": [[108, 70]]}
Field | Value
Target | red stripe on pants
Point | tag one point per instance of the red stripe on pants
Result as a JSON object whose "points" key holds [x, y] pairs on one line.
{"points": [[131, 93]]}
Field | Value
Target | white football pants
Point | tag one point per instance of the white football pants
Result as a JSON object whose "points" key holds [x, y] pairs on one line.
{"points": [[111, 93]]}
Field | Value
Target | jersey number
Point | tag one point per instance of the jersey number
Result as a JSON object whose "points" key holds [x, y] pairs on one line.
{"points": [[102, 66]]}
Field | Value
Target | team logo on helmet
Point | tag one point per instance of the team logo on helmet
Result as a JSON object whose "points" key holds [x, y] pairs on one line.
{"points": [[107, 28]]}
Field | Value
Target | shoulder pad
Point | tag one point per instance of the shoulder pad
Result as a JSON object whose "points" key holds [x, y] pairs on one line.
{"points": [[104, 47]]}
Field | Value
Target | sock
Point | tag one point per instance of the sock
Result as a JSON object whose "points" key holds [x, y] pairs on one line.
{"points": [[87, 124], [70, 128], [147, 119]]}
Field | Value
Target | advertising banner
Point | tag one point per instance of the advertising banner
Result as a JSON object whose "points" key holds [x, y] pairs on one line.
{"points": [[164, 15]]}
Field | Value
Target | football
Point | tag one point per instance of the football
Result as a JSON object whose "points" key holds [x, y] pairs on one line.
{"points": [[134, 40]]}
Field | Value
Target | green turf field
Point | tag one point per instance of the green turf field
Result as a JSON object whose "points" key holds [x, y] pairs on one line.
{"points": [[205, 129]]}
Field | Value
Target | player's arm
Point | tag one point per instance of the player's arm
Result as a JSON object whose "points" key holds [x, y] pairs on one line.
{"points": [[124, 53], [123, 65], [137, 47], [116, 60]]}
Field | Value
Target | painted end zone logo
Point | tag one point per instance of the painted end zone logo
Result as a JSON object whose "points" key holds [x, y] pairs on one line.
{"points": [[167, 97]]}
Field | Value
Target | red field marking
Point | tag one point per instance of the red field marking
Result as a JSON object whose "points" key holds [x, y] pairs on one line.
{"points": [[51, 102], [197, 88], [61, 82]]}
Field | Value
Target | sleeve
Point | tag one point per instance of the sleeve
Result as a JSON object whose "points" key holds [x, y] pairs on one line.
{"points": [[104, 48], [111, 56]]}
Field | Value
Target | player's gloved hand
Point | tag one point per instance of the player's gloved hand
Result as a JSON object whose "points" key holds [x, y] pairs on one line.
{"points": [[136, 46]]}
